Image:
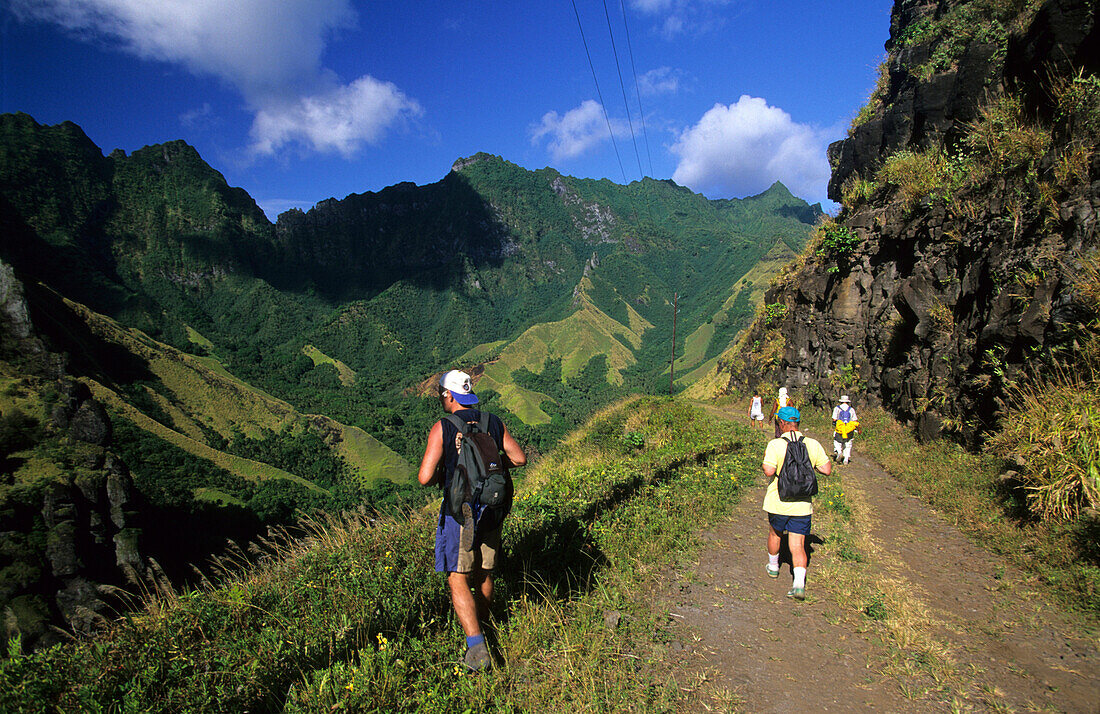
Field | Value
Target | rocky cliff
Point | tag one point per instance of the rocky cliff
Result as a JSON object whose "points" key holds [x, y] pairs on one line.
{"points": [[969, 198], [67, 504]]}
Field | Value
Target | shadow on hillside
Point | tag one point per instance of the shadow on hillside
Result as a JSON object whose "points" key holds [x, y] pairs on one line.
{"points": [[560, 559], [427, 236]]}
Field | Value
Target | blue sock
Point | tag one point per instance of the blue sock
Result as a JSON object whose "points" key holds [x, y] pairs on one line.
{"points": [[476, 639]]}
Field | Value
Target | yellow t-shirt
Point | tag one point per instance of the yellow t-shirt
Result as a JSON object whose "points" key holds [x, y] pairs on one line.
{"points": [[773, 456]]}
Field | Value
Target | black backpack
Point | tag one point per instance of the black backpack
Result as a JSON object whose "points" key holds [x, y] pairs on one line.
{"points": [[480, 476], [797, 478]]}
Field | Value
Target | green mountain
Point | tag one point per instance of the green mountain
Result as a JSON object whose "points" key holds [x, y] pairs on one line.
{"points": [[250, 368]]}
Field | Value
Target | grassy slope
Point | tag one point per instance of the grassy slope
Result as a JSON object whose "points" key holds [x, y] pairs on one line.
{"points": [[204, 393], [352, 617], [245, 468], [587, 332], [347, 374], [704, 380]]}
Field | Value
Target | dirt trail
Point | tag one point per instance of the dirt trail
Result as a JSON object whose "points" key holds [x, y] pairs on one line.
{"points": [[966, 630]]}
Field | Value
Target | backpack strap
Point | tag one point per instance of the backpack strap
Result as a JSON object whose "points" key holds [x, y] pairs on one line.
{"points": [[483, 423], [462, 426]]}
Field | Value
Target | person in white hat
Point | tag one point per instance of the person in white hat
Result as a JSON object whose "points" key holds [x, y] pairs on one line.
{"points": [[466, 544], [846, 425], [781, 400]]}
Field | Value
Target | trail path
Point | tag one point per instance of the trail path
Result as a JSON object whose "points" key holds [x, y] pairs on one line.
{"points": [[960, 626]]}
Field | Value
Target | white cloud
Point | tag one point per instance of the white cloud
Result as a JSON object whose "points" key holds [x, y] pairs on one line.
{"points": [[197, 116], [663, 80], [743, 148], [576, 132], [679, 17], [651, 6], [269, 50], [340, 120]]}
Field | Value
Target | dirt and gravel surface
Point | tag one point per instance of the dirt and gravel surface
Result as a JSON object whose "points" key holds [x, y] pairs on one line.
{"points": [[955, 628]]}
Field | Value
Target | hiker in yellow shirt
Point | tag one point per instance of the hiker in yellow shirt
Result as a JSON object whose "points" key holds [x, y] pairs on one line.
{"points": [[794, 517]]}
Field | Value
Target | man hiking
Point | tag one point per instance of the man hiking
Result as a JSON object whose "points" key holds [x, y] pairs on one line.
{"points": [[846, 424], [794, 517], [467, 544]]}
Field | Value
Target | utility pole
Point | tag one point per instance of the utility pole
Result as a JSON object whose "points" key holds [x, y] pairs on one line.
{"points": [[672, 362]]}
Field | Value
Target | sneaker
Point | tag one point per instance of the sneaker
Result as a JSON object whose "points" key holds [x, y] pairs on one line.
{"points": [[477, 658], [772, 573], [466, 540], [797, 593]]}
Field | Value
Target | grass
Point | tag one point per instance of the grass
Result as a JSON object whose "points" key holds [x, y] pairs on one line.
{"points": [[346, 613], [345, 373]]}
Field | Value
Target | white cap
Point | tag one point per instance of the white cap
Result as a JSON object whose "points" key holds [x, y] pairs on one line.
{"points": [[460, 386], [845, 400], [782, 390]]}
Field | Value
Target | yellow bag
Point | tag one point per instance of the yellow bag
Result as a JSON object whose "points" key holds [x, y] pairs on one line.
{"points": [[844, 428]]}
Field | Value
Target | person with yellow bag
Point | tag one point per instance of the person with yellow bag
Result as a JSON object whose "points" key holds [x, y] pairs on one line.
{"points": [[846, 425]]}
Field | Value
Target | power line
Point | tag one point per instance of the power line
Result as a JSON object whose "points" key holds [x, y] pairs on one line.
{"points": [[626, 102], [603, 105], [637, 89]]}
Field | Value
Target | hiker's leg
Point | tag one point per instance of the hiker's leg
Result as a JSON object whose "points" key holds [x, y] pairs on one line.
{"points": [[797, 543], [848, 450], [774, 541], [836, 448], [464, 603], [481, 584]]}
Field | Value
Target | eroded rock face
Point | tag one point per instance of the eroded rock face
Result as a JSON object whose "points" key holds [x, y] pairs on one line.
{"points": [[937, 309], [70, 530]]}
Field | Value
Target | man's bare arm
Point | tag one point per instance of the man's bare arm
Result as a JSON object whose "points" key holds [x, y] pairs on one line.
{"points": [[513, 450], [433, 454]]}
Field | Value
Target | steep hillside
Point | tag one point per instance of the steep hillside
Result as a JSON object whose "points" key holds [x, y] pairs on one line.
{"points": [[969, 196], [150, 453]]}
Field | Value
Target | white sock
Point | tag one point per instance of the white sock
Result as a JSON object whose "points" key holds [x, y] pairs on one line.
{"points": [[773, 561], [799, 578]]}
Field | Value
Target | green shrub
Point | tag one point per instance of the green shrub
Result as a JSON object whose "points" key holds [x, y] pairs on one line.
{"points": [[774, 314], [836, 240]]}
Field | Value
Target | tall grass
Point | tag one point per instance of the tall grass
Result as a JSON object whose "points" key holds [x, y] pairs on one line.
{"points": [[1052, 428]]}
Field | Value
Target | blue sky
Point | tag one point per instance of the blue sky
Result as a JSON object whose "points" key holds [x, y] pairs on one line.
{"points": [[297, 101]]}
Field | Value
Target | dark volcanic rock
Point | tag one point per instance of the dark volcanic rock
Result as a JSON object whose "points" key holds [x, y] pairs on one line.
{"points": [[91, 424]]}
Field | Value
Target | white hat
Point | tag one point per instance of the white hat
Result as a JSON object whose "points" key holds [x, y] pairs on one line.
{"points": [[460, 386], [782, 390], [845, 400]]}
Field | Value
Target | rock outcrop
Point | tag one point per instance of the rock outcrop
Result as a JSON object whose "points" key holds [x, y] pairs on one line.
{"points": [[67, 505], [947, 294]]}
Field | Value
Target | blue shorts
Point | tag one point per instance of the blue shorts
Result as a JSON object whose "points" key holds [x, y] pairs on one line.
{"points": [[791, 524], [450, 558]]}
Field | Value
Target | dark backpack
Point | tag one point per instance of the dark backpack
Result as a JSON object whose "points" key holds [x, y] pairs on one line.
{"points": [[480, 476], [797, 478]]}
